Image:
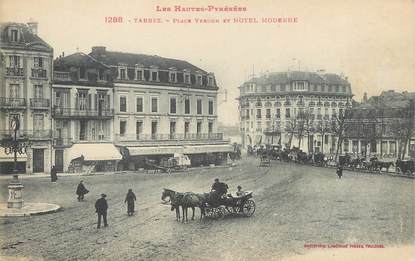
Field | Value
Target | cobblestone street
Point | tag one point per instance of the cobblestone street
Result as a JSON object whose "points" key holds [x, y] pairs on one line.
{"points": [[295, 205]]}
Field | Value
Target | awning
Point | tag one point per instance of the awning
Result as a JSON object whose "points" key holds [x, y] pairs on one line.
{"points": [[141, 151], [94, 151], [10, 158], [208, 148]]}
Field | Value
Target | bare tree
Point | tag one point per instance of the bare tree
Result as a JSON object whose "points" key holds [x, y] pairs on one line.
{"points": [[341, 124], [291, 127], [322, 128]]}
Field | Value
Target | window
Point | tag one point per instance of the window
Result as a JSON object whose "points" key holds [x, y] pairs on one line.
{"points": [[139, 104], [278, 114], [343, 89], [154, 76], [38, 62], [264, 89], [210, 107], [101, 74], [199, 128], [186, 128], [199, 80], [138, 129], [268, 115], [187, 106], [82, 72], [14, 61], [82, 100], [287, 113], [172, 104], [336, 88], [247, 113], [140, 75], [346, 145], [273, 88], [38, 122], [326, 139], [14, 35], [172, 77], [154, 130], [258, 113], [210, 128], [38, 92], [123, 127], [154, 104], [14, 91], [210, 81], [283, 88], [187, 78], [122, 74], [123, 104], [199, 106], [172, 130]]}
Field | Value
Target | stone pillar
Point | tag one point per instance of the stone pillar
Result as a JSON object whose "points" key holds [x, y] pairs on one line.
{"points": [[15, 193]]}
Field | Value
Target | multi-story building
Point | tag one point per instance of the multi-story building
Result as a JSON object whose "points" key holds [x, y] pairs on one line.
{"points": [[82, 111], [382, 126], [163, 106], [293, 108], [25, 91]]}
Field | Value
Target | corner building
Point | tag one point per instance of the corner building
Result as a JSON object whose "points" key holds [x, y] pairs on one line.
{"points": [[25, 92], [270, 104], [163, 106]]}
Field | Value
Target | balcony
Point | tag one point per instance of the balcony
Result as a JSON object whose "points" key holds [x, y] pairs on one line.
{"points": [[30, 134], [77, 113], [168, 137], [62, 142], [14, 71], [12, 103], [61, 76], [37, 103], [38, 73]]}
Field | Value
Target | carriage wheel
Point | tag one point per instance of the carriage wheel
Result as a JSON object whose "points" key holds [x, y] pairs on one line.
{"points": [[209, 212], [220, 213], [248, 208]]}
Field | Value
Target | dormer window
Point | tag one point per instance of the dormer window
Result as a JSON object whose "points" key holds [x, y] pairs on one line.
{"points": [[210, 81], [154, 76], [199, 80], [82, 74], [14, 35], [122, 74], [173, 77], [139, 75], [187, 78]]}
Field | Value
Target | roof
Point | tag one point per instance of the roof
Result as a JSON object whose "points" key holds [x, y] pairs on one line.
{"points": [[312, 77], [27, 39], [132, 59], [77, 59]]}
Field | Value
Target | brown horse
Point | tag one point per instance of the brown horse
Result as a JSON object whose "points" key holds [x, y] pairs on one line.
{"points": [[175, 200]]}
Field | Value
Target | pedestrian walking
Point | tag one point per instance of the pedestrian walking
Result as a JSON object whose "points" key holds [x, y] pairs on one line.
{"points": [[81, 191], [129, 199], [53, 174], [339, 172], [101, 208]]}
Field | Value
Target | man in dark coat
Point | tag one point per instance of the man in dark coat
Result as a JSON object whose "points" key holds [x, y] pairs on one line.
{"points": [[53, 174], [101, 207], [129, 199], [219, 189], [81, 191], [339, 172]]}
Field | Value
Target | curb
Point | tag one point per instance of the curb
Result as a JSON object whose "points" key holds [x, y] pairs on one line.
{"points": [[55, 209]]}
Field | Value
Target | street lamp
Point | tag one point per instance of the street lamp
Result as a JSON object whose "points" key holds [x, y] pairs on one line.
{"points": [[14, 146]]}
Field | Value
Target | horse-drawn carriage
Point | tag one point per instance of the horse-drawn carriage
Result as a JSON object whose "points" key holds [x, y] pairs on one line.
{"points": [[218, 209], [265, 160], [406, 167]]}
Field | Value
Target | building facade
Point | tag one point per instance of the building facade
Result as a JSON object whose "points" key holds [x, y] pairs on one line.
{"points": [[25, 92], [293, 109], [83, 113], [163, 106]]}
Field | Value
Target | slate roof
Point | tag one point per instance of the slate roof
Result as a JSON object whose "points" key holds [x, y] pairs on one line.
{"points": [[27, 39], [312, 77], [77, 59], [131, 59]]}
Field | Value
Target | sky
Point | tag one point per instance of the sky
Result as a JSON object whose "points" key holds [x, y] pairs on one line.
{"points": [[371, 42]]}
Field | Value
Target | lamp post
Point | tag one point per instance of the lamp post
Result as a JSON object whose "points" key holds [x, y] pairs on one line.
{"points": [[14, 146]]}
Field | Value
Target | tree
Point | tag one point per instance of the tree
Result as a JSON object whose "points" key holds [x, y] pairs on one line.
{"points": [[322, 128], [290, 127], [341, 124]]}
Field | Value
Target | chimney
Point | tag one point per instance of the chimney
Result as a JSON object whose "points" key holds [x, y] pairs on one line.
{"points": [[98, 50], [32, 26], [365, 97]]}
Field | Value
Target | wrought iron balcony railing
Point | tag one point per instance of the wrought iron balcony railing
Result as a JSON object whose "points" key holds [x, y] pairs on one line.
{"points": [[61, 76], [31, 134], [12, 102], [39, 103], [38, 73], [69, 112], [14, 71], [168, 137]]}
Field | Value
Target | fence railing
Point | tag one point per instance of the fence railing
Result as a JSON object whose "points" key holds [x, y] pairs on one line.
{"points": [[12, 102], [169, 137], [69, 112], [14, 71], [39, 103], [38, 73]]}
